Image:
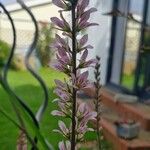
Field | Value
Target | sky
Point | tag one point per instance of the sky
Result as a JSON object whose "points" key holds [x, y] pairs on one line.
{"points": [[9, 1]]}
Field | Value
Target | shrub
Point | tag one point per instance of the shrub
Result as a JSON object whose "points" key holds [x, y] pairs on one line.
{"points": [[44, 51], [4, 52], [18, 63]]}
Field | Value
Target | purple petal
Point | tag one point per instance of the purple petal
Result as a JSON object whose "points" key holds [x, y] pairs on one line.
{"points": [[63, 127], [60, 40], [84, 4], [58, 22], [86, 14], [90, 62], [59, 83], [61, 145], [83, 76], [84, 56], [57, 113], [66, 24], [57, 66], [83, 40], [88, 47], [82, 107], [90, 116], [84, 25], [59, 3]]}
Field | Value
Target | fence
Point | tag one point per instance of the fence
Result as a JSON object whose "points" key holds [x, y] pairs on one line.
{"points": [[24, 32], [21, 39]]}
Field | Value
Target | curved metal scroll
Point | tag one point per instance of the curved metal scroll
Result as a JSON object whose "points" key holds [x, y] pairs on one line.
{"points": [[4, 73], [29, 53]]}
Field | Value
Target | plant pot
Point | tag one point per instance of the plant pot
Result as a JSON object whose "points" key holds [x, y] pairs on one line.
{"points": [[128, 131]]}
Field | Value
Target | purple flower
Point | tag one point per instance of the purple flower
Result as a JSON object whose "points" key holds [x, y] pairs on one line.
{"points": [[60, 84], [82, 4], [64, 145], [58, 22], [83, 16], [84, 115], [58, 66], [83, 40], [64, 96], [83, 63], [61, 67], [60, 40], [76, 81], [62, 24], [63, 127], [63, 57], [86, 15], [81, 44], [61, 4], [57, 113], [81, 80], [83, 24]]}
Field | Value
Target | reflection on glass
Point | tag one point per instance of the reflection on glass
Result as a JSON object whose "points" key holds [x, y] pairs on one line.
{"points": [[132, 40], [130, 55], [144, 80]]}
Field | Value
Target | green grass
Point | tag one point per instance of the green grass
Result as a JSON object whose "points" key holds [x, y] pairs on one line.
{"points": [[28, 88], [128, 81]]}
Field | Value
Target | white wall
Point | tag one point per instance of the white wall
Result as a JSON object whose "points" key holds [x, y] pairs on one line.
{"points": [[99, 36]]}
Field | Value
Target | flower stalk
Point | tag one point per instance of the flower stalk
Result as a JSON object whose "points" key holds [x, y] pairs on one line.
{"points": [[74, 95], [97, 101], [67, 62]]}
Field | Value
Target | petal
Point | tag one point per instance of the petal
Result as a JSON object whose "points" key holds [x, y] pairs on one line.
{"points": [[55, 100], [84, 4], [84, 25], [57, 131], [57, 113], [58, 22], [83, 76], [84, 56], [59, 3], [68, 145], [59, 83], [90, 129], [86, 14], [88, 47], [82, 107], [66, 24], [83, 40], [61, 145], [90, 62], [63, 127], [57, 66], [60, 40]]}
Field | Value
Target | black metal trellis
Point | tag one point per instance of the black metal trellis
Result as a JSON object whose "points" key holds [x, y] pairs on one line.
{"points": [[4, 78]]}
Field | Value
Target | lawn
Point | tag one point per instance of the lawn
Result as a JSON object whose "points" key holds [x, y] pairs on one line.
{"points": [[28, 88]]}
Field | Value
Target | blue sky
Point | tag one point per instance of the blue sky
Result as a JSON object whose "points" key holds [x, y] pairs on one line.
{"points": [[9, 1]]}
